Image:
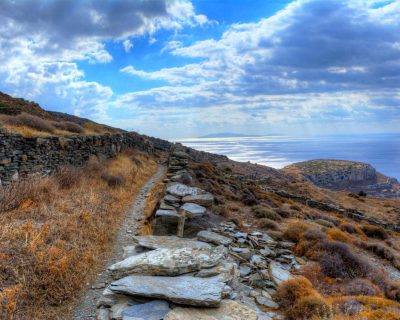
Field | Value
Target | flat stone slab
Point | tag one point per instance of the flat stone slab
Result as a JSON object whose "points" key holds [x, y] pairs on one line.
{"points": [[278, 273], [228, 310], [181, 190], [186, 290], [206, 199], [214, 238], [172, 242], [170, 199], [193, 210], [169, 262], [167, 214], [153, 310]]}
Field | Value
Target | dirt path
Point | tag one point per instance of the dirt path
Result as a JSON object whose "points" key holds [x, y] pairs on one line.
{"points": [[133, 221]]}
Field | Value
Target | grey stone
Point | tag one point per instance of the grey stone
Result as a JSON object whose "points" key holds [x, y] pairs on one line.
{"points": [[153, 310], [168, 198], [214, 238], [244, 270], [193, 210], [206, 199], [103, 314], [185, 290], [169, 262], [278, 273], [169, 242], [245, 253], [181, 190], [265, 302], [167, 214]]}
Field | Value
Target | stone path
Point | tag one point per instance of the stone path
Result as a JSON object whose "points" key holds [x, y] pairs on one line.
{"points": [[133, 221], [220, 273]]}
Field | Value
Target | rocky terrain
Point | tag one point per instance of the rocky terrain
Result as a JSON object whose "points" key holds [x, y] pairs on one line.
{"points": [[346, 175]]}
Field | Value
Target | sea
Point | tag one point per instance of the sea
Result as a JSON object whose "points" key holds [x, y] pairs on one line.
{"points": [[382, 151]]}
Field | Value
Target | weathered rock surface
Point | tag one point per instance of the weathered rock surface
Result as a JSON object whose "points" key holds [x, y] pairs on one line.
{"points": [[185, 290], [167, 214], [153, 310], [229, 310], [278, 273], [193, 209], [214, 238], [181, 190], [169, 242], [206, 199], [169, 262]]}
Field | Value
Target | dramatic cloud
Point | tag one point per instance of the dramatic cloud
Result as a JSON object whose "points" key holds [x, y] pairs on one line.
{"points": [[339, 56]]}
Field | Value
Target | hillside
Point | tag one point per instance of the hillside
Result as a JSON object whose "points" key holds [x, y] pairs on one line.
{"points": [[345, 175], [30, 119], [124, 226]]}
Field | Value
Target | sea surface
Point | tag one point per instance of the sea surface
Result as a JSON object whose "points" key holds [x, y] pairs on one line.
{"points": [[380, 150]]}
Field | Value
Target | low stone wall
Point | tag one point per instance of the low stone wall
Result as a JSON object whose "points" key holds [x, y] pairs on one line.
{"points": [[20, 156]]}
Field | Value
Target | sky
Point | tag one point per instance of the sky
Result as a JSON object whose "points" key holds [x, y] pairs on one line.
{"points": [[182, 68]]}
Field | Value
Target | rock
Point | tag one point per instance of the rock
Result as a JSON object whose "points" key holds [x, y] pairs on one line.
{"points": [[193, 210], [169, 262], [240, 235], [229, 310], [181, 190], [278, 273], [170, 199], [245, 253], [214, 238], [169, 242], [257, 260], [165, 206], [226, 271], [167, 214], [120, 306], [265, 302], [183, 177], [206, 199], [286, 244], [153, 310], [103, 314], [267, 252], [185, 290], [244, 270]]}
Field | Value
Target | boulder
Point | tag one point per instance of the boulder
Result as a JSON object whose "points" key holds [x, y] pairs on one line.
{"points": [[181, 190], [206, 199], [170, 199], [193, 210], [169, 242], [214, 238], [169, 262], [167, 214], [228, 310], [278, 273], [153, 310], [184, 290]]}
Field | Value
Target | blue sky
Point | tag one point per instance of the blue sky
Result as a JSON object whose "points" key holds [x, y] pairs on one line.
{"points": [[181, 68]]}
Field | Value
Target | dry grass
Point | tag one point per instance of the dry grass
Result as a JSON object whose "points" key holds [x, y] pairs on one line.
{"points": [[154, 196], [52, 244]]}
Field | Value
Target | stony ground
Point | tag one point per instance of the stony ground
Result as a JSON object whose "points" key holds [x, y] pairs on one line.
{"points": [[219, 273]]}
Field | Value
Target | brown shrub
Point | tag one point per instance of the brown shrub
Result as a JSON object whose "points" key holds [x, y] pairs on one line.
{"points": [[31, 121], [362, 287], [261, 211], [376, 232], [295, 230], [113, 180], [286, 211], [338, 235], [383, 251], [69, 126], [15, 193], [68, 176], [290, 291], [349, 228], [310, 307], [338, 261], [269, 224], [325, 223]]}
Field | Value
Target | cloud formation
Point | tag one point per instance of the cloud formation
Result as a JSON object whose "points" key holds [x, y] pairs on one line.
{"points": [[321, 60]]}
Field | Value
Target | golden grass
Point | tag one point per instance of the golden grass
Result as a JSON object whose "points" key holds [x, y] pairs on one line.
{"points": [[54, 243], [153, 198]]}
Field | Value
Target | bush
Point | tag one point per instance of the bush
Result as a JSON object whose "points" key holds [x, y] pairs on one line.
{"points": [[290, 291], [338, 261], [310, 307], [30, 121], [325, 223], [265, 212], [362, 287], [374, 232], [113, 180], [348, 227], [383, 251], [249, 199], [338, 235], [69, 126], [269, 224], [295, 230], [286, 211], [15, 193], [68, 176]]}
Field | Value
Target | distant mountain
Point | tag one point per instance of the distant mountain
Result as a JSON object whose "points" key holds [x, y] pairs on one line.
{"points": [[228, 135]]}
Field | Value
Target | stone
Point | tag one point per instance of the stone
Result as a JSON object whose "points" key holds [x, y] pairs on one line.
{"points": [[257, 260], [181, 190], [169, 242], [245, 253], [267, 252], [165, 206], [103, 314], [206, 199], [184, 290], [153, 310], [244, 270], [228, 310], [170, 199], [278, 273], [193, 210], [265, 302], [214, 238], [167, 214], [131, 251], [226, 271], [169, 262], [240, 235]]}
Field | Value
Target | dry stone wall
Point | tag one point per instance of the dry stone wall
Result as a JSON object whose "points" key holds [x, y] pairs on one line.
{"points": [[21, 156]]}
